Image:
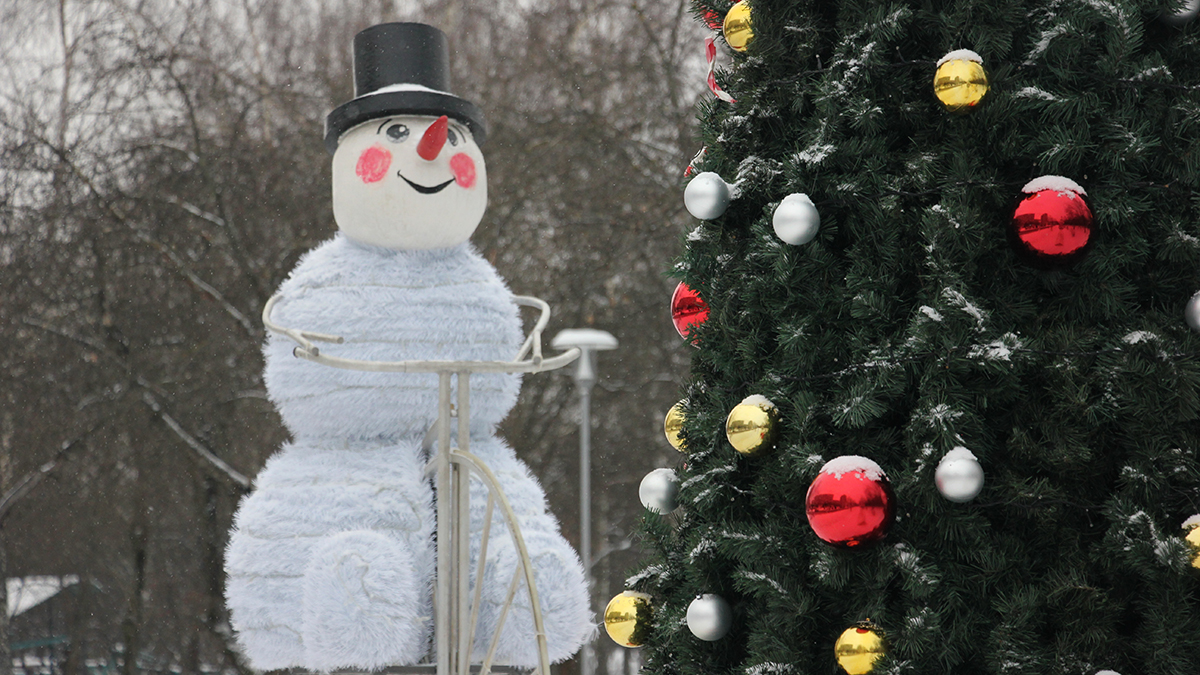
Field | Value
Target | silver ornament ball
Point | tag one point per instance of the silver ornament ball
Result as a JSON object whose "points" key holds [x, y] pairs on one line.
{"points": [[1184, 14], [1191, 312], [959, 476], [796, 219], [659, 491], [709, 617], [706, 196]]}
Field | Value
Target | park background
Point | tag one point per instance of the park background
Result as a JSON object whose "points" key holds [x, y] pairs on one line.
{"points": [[161, 171]]}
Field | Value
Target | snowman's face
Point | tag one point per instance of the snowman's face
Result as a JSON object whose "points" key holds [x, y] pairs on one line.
{"points": [[385, 193]]}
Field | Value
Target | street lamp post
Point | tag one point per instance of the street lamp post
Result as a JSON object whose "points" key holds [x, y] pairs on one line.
{"points": [[589, 341]]}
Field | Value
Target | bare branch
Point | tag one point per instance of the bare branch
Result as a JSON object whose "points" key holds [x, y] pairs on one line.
{"points": [[180, 266], [196, 211], [149, 388], [227, 471], [31, 480]]}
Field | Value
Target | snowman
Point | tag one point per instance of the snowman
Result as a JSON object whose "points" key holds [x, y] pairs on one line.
{"points": [[332, 557]]}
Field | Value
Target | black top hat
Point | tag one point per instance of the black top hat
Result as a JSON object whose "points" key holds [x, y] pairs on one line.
{"points": [[389, 56]]}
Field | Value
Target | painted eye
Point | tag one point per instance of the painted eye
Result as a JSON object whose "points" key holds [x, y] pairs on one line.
{"points": [[397, 133], [452, 136]]}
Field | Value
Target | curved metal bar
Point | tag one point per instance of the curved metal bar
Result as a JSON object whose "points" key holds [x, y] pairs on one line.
{"points": [[300, 336], [532, 348], [534, 340], [486, 668], [514, 529], [480, 569], [552, 363]]}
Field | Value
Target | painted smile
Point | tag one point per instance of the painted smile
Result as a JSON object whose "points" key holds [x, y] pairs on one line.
{"points": [[426, 190]]}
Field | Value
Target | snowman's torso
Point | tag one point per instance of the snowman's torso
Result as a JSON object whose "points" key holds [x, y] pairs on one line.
{"points": [[344, 513], [439, 304]]}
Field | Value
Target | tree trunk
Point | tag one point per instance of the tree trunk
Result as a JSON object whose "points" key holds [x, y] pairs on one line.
{"points": [[5, 652], [76, 661], [216, 618], [132, 625]]}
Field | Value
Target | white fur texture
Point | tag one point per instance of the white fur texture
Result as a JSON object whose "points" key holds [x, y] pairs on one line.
{"points": [[319, 511], [331, 561], [437, 304], [340, 628]]}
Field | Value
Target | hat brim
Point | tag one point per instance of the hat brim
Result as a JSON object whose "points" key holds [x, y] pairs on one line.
{"points": [[373, 106]]}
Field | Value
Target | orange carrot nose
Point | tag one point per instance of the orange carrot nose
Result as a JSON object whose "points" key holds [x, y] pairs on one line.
{"points": [[433, 140]]}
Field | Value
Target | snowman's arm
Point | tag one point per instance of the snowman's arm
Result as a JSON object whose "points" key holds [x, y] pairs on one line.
{"points": [[302, 337]]}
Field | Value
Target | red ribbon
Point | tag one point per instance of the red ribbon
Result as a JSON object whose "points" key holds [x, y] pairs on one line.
{"points": [[710, 54]]}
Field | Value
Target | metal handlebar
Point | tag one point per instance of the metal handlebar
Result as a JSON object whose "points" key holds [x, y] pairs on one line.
{"points": [[527, 360]]}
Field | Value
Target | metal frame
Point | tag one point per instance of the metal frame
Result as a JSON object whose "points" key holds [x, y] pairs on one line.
{"points": [[455, 610]]}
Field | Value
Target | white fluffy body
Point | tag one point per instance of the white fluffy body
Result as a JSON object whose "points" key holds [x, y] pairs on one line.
{"points": [[432, 304], [331, 561]]}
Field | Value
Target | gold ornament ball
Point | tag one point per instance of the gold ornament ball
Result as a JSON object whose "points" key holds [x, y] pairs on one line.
{"points": [[859, 648], [1193, 538], [737, 27], [960, 84], [627, 617], [673, 424], [752, 424]]}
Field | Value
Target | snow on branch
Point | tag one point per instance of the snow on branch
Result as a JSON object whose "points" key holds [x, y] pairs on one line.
{"points": [[1035, 93], [1044, 41], [997, 350], [652, 572], [960, 301], [707, 475], [769, 668], [1117, 14], [758, 576]]}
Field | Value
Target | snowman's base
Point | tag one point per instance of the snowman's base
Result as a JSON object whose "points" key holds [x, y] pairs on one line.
{"points": [[418, 669], [454, 468]]}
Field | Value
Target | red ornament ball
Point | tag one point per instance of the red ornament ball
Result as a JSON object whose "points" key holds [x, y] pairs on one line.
{"points": [[687, 309], [1052, 227], [713, 19], [850, 503]]}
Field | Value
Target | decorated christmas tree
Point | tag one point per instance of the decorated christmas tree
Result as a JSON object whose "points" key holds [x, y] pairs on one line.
{"points": [[943, 415]]}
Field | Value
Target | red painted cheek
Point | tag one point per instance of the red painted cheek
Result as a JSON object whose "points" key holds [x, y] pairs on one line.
{"points": [[464, 170], [373, 164]]}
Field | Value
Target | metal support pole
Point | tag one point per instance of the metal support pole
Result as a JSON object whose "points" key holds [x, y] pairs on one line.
{"points": [[588, 341], [462, 534], [442, 606], [587, 656]]}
